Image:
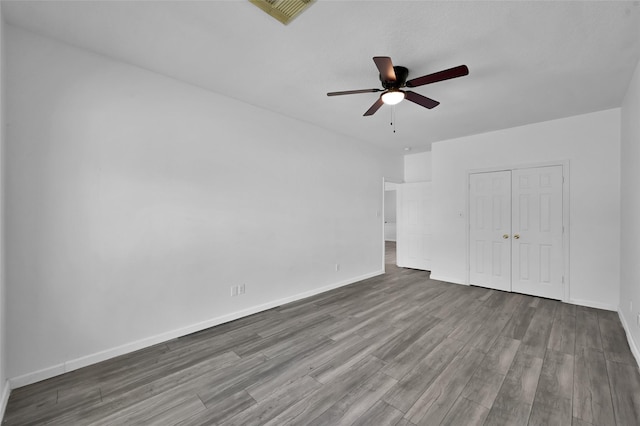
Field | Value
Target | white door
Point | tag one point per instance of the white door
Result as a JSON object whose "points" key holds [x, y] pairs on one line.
{"points": [[490, 229], [414, 225], [537, 232], [516, 230]]}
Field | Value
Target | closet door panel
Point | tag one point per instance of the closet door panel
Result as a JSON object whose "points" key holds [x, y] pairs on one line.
{"points": [[490, 229], [537, 232]]}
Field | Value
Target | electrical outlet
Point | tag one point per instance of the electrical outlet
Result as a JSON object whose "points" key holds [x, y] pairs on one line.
{"points": [[638, 320], [630, 305], [234, 290], [337, 267], [241, 289]]}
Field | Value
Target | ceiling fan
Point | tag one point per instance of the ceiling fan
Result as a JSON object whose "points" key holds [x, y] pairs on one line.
{"points": [[394, 78]]}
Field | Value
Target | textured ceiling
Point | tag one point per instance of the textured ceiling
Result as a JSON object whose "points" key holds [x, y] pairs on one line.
{"points": [[528, 61]]}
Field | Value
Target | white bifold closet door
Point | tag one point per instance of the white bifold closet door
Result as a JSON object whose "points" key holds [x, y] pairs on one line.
{"points": [[515, 230]]}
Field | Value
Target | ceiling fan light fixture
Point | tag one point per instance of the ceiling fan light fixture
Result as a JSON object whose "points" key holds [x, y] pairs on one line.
{"points": [[395, 77], [392, 97]]}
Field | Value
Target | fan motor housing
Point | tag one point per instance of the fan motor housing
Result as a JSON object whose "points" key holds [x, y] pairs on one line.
{"points": [[401, 78]]}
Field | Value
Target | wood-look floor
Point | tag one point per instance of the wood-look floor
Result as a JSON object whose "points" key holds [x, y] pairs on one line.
{"points": [[398, 349]]}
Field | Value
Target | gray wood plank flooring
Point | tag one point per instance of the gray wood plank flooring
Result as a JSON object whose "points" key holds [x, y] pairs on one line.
{"points": [[399, 349]]}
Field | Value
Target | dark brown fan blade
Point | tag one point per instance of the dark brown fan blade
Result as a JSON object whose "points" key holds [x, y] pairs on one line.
{"points": [[454, 72], [385, 66], [376, 106], [420, 100], [353, 92]]}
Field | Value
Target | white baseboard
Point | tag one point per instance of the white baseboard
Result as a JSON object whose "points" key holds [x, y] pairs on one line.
{"points": [[597, 305], [632, 343], [6, 391], [36, 376], [580, 302], [446, 279], [74, 364]]}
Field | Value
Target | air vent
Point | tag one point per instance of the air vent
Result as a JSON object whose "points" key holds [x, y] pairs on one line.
{"points": [[283, 10]]}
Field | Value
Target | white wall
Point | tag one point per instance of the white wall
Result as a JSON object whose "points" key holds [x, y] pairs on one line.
{"points": [[591, 143], [630, 212], [136, 201], [417, 167], [4, 385]]}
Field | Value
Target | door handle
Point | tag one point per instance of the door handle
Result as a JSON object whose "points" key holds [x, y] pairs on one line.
{"points": [[516, 236], [505, 236]]}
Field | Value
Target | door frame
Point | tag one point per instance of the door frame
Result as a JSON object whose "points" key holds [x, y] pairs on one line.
{"points": [[566, 184]]}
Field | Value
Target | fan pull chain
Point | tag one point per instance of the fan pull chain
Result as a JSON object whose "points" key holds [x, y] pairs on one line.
{"points": [[393, 117]]}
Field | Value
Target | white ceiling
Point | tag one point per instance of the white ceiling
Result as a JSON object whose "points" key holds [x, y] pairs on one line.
{"points": [[528, 61]]}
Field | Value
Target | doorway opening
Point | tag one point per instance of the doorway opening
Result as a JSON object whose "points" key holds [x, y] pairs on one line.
{"points": [[389, 225]]}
